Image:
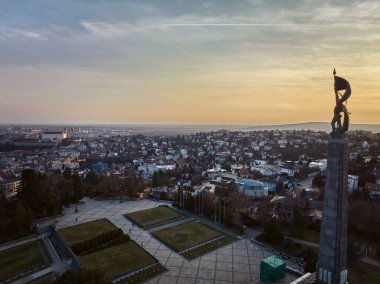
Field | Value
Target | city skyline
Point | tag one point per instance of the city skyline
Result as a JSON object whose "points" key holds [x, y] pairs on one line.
{"points": [[192, 62]]}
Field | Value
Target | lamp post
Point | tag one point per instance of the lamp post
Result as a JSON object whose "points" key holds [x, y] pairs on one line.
{"points": [[121, 200]]}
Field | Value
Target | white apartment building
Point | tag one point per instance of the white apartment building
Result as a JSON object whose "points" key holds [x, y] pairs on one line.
{"points": [[352, 183], [54, 135], [10, 188]]}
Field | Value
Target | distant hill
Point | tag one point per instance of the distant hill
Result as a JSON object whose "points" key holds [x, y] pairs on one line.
{"points": [[188, 129], [315, 126]]}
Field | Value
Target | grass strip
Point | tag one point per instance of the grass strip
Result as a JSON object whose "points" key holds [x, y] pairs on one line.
{"points": [[187, 235], [18, 261], [144, 275], [153, 216], [206, 248], [82, 232], [117, 260]]}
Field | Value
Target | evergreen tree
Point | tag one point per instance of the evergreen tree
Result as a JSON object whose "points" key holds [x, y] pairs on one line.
{"points": [[31, 192], [67, 173], [78, 187], [298, 221], [23, 218], [92, 178], [273, 232]]}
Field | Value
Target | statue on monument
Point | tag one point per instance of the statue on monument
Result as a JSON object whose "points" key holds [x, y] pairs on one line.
{"points": [[336, 123]]}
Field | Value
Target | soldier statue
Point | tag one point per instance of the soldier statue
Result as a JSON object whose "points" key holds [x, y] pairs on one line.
{"points": [[340, 108]]}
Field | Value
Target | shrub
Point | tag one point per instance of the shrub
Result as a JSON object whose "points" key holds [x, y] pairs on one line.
{"points": [[97, 241], [175, 204], [272, 233]]}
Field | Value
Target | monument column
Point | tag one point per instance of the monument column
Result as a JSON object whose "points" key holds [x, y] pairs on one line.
{"points": [[332, 256]]}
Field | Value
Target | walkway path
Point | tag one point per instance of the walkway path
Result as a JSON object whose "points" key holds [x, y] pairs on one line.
{"points": [[33, 276], [302, 242], [19, 242], [52, 252], [371, 261]]}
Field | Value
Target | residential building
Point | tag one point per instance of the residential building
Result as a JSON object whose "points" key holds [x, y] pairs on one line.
{"points": [[373, 189], [352, 183], [252, 188], [54, 135], [10, 188]]}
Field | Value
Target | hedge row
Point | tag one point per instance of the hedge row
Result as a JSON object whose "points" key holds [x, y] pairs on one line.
{"points": [[104, 238], [206, 248], [110, 243], [143, 275]]}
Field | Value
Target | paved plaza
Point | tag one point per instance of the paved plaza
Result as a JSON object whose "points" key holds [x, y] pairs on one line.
{"points": [[238, 262]]}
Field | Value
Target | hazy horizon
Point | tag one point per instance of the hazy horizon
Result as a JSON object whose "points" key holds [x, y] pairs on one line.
{"points": [[175, 129], [247, 62]]}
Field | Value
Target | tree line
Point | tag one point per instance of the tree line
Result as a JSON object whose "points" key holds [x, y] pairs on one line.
{"points": [[44, 196]]}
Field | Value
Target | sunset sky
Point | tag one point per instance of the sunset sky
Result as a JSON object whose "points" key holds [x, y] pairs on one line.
{"points": [[190, 61]]}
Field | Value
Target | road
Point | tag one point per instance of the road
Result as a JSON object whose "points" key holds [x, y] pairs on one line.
{"points": [[303, 184]]}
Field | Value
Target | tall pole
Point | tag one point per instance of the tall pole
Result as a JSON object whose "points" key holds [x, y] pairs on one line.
{"points": [[219, 212], [215, 212], [180, 199], [183, 200], [199, 207], [202, 204], [224, 218], [195, 204]]}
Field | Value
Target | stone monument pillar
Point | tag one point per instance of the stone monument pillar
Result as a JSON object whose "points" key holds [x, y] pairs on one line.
{"points": [[332, 257]]}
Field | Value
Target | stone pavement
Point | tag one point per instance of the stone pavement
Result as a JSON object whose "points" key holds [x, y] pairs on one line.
{"points": [[238, 262]]}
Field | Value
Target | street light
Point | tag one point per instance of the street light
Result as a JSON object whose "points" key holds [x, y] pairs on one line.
{"points": [[119, 188]]}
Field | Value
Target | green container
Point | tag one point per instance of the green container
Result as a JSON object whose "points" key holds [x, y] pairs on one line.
{"points": [[272, 269]]}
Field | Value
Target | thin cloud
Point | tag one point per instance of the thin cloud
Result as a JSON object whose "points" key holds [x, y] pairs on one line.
{"points": [[249, 24], [106, 30], [148, 58], [12, 33]]}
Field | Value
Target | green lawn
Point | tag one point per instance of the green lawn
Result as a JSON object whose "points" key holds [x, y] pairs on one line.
{"points": [[307, 235], [208, 247], [149, 217], [186, 235], [21, 259], [117, 259], [142, 276], [86, 231]]}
